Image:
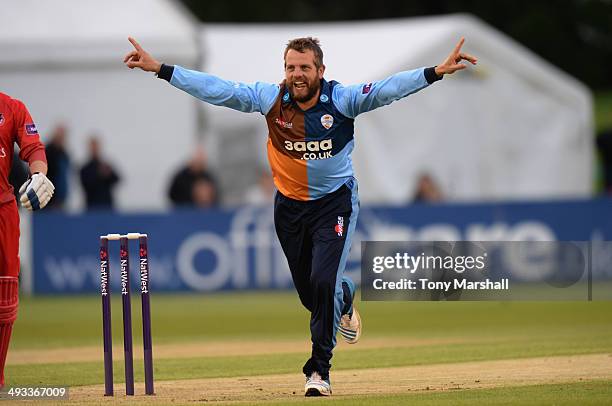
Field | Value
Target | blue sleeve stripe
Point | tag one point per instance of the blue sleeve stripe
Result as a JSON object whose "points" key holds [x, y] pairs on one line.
{"points": [[431, 76], [165, 72]]}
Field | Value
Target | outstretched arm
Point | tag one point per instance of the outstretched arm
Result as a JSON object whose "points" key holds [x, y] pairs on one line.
{"points": [[209, 88], [356, 99]]}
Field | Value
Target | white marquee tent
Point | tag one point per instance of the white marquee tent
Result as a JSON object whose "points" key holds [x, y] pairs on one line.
{"points": [[514, 127], [64, 59]]}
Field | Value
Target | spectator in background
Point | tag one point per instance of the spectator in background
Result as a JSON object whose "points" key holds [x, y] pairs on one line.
{"points": [[194, 184], [58, 161], [604, 144], [262, 192], [427, 191], [203, 194], [98, 178], [18, 175]]}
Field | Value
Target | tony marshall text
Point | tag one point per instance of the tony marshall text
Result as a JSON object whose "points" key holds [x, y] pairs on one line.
{"points": [[426, 284]]}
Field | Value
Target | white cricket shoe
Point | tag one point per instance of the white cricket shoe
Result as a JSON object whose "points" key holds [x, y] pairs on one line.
{"points": [[317, 386], [350, 327]]}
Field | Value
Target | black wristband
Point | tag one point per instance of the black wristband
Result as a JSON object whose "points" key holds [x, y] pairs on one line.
{"points": [[430, 75], [165, 72]]}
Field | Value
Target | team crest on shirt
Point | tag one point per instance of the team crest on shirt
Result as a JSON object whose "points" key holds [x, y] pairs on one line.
{"points": [[327, 121], [339, 229], [1, 118]]}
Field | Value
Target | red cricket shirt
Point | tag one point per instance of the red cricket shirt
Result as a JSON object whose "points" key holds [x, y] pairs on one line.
{"points": [[16, 126]]}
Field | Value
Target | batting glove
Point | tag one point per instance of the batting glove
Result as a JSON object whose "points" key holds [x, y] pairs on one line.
{"points": [[36, 192]]}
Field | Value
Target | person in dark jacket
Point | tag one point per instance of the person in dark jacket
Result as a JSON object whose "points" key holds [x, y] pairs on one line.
{"points": [[194, 185], [58, 161], [18, 175], [98, 179]]}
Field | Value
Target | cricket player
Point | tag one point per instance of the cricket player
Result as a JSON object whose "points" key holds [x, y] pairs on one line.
{"points": [[16, 126], [311, 137]]}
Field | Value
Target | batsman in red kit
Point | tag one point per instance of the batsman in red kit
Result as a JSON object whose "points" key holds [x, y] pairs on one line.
{"points": [[16, 126]]}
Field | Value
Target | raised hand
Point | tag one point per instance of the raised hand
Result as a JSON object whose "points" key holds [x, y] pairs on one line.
{"points": [[452, 63], [139, 58]]}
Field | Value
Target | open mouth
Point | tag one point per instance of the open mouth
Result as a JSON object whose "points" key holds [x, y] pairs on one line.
{"points": [[300, 85]]}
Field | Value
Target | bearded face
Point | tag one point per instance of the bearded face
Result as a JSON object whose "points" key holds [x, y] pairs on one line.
{"points": [[303, 89], [302, 76]]}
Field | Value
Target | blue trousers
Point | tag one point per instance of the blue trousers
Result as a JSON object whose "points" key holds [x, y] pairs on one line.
{"points": [[316, 238]]}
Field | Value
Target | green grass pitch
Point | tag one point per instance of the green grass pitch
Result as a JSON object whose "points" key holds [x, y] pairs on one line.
{"points": [[473, 331]]}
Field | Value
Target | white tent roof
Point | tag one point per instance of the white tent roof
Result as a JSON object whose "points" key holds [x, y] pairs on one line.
{"points": [[527, 124], [514, 127], [81, 32], [355, 51], [352, 50]]}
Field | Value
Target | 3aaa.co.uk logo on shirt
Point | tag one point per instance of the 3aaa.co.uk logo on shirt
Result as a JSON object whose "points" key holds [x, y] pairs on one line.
{"points": [[311, 149]]}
